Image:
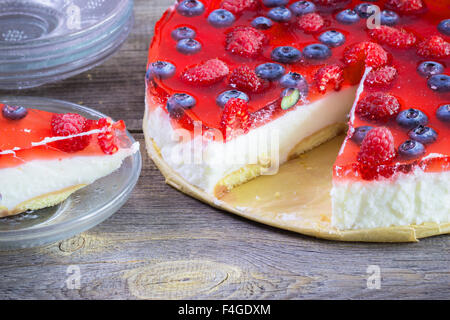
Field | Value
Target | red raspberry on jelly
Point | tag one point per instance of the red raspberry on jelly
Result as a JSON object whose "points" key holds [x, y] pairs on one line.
{"points": [[245, 41], [381, 77], [397, 38], [434, 47], [378, 106], [206, 73], [332, 75], [69, 124]]}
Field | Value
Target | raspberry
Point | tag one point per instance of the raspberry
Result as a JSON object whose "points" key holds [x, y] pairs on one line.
{"points": [[63, 125], [371, 53], [206, 73], [245, 41], [434, 47], [378, 107], [377, 151], [245, 79], [235, 117], [107, 140], [405, 6], [332, 74], [310, 22], [381, 77], [238, 6], [397, 38]]}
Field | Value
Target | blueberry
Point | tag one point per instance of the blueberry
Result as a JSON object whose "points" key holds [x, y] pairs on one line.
{"points": [[275, 3], [295, 80], [347, 16], [223, 98], [411, 118], [429, 68], [221, 18], [364, 10], [179, 102], [280, 14], [302, 7], [160, 70], [14, 112], [423, 134], [389, 18], [439, 83], [411, 149], [317, 51], [269, 71], [262, 23], [286, 54], [188, 46], [332, 38], [443, 113], [360, 133], [183, 33], [190, 8], [444, 27]]}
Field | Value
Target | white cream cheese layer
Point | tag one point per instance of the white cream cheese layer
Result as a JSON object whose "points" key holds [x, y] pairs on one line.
{"points": [[204, 163], [40, 177], [407, 199]]}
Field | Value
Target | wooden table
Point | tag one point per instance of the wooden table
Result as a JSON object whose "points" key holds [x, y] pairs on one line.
{"points": [[163, 244]]}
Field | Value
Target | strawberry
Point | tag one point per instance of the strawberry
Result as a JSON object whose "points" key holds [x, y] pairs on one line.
{"points": [[377, 151], [371, 53], [238, 6], [434, 47], [378, 107], [397, 38], [310, 22], [245, 79], [331, 74], [381, 77], [406, 6], [235, 117], [245, 41], [206, 73], [69, 124]]}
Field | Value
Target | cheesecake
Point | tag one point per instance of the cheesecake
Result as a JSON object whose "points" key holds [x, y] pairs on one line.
{"points": [[45, 157], [236, 88]]}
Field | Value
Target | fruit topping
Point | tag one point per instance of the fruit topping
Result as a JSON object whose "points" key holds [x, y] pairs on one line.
{"points": [[262, 23], [332, 38], [443, 113], [302, 7], [280, 14], [424, 135], [434, 47], [244, 78], [332, 4], [331, 75], [223, 98], [14, 112], [411, 149], [183, 33], [275, 3], [380, 77], [221, 18], [359, 134], [290, 97], [372, 54], [397, 38], [286, 54], [378, 107], [311, 22], [206, 73], [235, 118], [347, 16], [179, 102], [239, 6], [411, 118], [389, 18], [444, 27], [69, 124], [190, 8], [188, 46], [160, 70], [316, 51], [406, 6], [439, 83], [245, 41], [377, 148], [430, 68], [269, 71], [295, 80], [364, 10], [107, 140]]}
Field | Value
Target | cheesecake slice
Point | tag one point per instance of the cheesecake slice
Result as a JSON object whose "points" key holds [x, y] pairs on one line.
{"points": [[45, 157]]}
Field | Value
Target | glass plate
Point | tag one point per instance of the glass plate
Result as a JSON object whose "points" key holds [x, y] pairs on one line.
{"points": [[82, 210]]}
